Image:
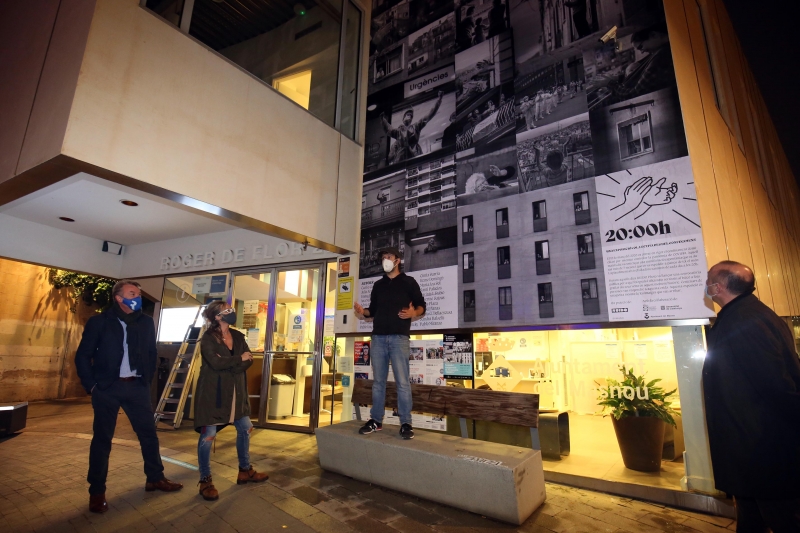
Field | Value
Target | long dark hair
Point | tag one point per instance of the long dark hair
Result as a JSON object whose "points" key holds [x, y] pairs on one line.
{"points": [[210, 314]]}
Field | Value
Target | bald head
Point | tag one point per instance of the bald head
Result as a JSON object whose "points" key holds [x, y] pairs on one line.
{"points": [[730, 279]]}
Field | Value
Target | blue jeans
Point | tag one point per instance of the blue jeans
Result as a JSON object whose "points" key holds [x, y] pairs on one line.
{"points": [[208, 433], [394, 348]]}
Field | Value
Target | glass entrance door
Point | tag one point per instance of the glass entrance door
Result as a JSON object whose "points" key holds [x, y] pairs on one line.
{"points": [[293, 357], [251, 298], [281, 311]]}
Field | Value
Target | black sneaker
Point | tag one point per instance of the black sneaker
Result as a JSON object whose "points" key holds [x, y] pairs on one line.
{"points": [[370, 427], [406, 431]]}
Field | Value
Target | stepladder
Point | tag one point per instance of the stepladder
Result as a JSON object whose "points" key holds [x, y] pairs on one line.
{"points": [[181, 380]]}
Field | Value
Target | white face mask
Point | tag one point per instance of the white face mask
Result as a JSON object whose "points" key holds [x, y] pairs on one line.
{"points": [[709, 295], [388, 265]]}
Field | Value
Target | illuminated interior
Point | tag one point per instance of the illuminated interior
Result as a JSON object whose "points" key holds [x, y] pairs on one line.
{"points": [[295, 86]]}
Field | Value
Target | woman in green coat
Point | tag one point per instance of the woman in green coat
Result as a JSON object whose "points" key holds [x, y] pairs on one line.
{"points": [[221, 395]]}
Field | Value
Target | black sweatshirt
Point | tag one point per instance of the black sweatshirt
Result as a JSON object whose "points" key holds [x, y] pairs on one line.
{"points": [[389, 297]]}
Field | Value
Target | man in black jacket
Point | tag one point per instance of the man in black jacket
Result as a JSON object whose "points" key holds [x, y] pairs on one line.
{"points": [[116, 360], [751, 383], [396, 299]]}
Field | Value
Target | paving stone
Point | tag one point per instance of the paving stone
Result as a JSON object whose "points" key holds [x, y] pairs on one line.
{"points": [[295, 507], [299, 495], [309, 495], [366, 524], [338, 510]]}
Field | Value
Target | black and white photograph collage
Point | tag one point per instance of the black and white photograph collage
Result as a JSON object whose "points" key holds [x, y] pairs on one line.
{"points": [[474, 101], [441, 90]]}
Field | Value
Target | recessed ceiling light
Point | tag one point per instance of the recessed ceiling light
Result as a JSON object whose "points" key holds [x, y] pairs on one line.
{"points": [[66, 219], [372, 107], [129, 203]]}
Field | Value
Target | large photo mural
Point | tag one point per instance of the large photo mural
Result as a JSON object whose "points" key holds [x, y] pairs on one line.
{"points": [[528, 158]]}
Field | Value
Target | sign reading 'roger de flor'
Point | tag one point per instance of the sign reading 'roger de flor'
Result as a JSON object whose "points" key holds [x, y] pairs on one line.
{"points": [[230, 256]]}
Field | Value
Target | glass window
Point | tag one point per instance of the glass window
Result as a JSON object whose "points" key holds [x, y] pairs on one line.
{"points": [[170, 10], [545, 292], [504, 255], [469, 260], [469, 299], [581, 201], [539, 210], [566, 369], [348, 98], [635, 136], [502, 217], [583, 214], [466, 224], [542, 249], [308, 51], [182, 301], [589, 289], [505, 295], [585, 245], [720, 78]]}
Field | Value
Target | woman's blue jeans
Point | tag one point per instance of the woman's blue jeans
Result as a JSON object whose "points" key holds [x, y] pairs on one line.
{"points": [[394, 348], [208, 433]]}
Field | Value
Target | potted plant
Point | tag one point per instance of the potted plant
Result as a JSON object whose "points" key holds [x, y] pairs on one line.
{"points": [[640, 411]]}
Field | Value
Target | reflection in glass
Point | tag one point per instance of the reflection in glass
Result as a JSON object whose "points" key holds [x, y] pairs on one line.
{"points": [[251, 301]]}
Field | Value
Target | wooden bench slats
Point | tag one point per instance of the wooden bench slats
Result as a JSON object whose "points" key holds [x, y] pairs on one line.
{"points": [[477, 404]]}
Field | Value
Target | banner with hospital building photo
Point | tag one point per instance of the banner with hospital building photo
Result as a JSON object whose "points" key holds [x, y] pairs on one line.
{"points": [[653, 254], [409, 40]]}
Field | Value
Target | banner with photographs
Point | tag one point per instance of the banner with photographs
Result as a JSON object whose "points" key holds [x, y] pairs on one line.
{"points": [[492, 129], [426, 366]]}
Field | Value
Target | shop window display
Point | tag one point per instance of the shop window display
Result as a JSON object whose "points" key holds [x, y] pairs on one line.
{"points": [[568, 369]]}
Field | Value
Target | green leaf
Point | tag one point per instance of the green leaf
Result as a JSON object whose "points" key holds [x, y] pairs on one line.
{"points": [[658, 404]]}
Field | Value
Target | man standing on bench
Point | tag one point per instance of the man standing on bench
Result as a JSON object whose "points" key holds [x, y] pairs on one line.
{"points": [[395, 300]]}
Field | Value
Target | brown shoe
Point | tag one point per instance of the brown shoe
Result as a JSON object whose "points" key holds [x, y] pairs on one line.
{"points": [[207, 489], [97, 503], [250, 476], [164, 485]]}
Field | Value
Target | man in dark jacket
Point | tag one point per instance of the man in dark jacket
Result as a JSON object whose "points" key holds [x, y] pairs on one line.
{"points": [[116, 360], [396, 299], [751, 383]]}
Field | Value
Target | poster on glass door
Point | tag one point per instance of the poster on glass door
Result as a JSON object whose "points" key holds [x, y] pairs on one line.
{"points": [[426, 367], [458, 356], [653, 254]]}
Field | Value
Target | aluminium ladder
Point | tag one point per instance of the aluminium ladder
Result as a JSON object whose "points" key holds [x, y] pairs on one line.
{"points": [[177, 390]]}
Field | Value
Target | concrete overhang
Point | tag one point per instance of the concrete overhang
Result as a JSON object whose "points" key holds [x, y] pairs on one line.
{"points": [[165, 234]]}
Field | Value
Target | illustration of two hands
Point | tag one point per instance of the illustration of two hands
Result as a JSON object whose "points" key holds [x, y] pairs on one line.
{"points": [[644, 194]]}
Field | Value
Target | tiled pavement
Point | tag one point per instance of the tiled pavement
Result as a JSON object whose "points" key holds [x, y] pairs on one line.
{"points": [[44, 489]]}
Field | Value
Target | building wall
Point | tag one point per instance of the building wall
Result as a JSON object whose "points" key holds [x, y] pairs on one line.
{"points": [[152, 104], [565, 273], [747, 194], [43, 43], [38, 336]]}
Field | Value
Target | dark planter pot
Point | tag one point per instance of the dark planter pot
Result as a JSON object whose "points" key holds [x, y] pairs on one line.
{"points": [[641, 441]]}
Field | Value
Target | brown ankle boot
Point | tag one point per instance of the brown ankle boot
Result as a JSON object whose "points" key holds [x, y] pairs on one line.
{"points": [[207, 489], [250, 476], [97, 503]]}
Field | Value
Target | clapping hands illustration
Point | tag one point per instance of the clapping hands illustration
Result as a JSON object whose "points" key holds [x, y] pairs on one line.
{"points": [[644, 192]]}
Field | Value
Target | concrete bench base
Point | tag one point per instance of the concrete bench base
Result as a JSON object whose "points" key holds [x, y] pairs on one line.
{"points": [[495, 480]]}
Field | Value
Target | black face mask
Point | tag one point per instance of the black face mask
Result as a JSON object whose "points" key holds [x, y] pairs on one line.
{"points": [[230, 318]]}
